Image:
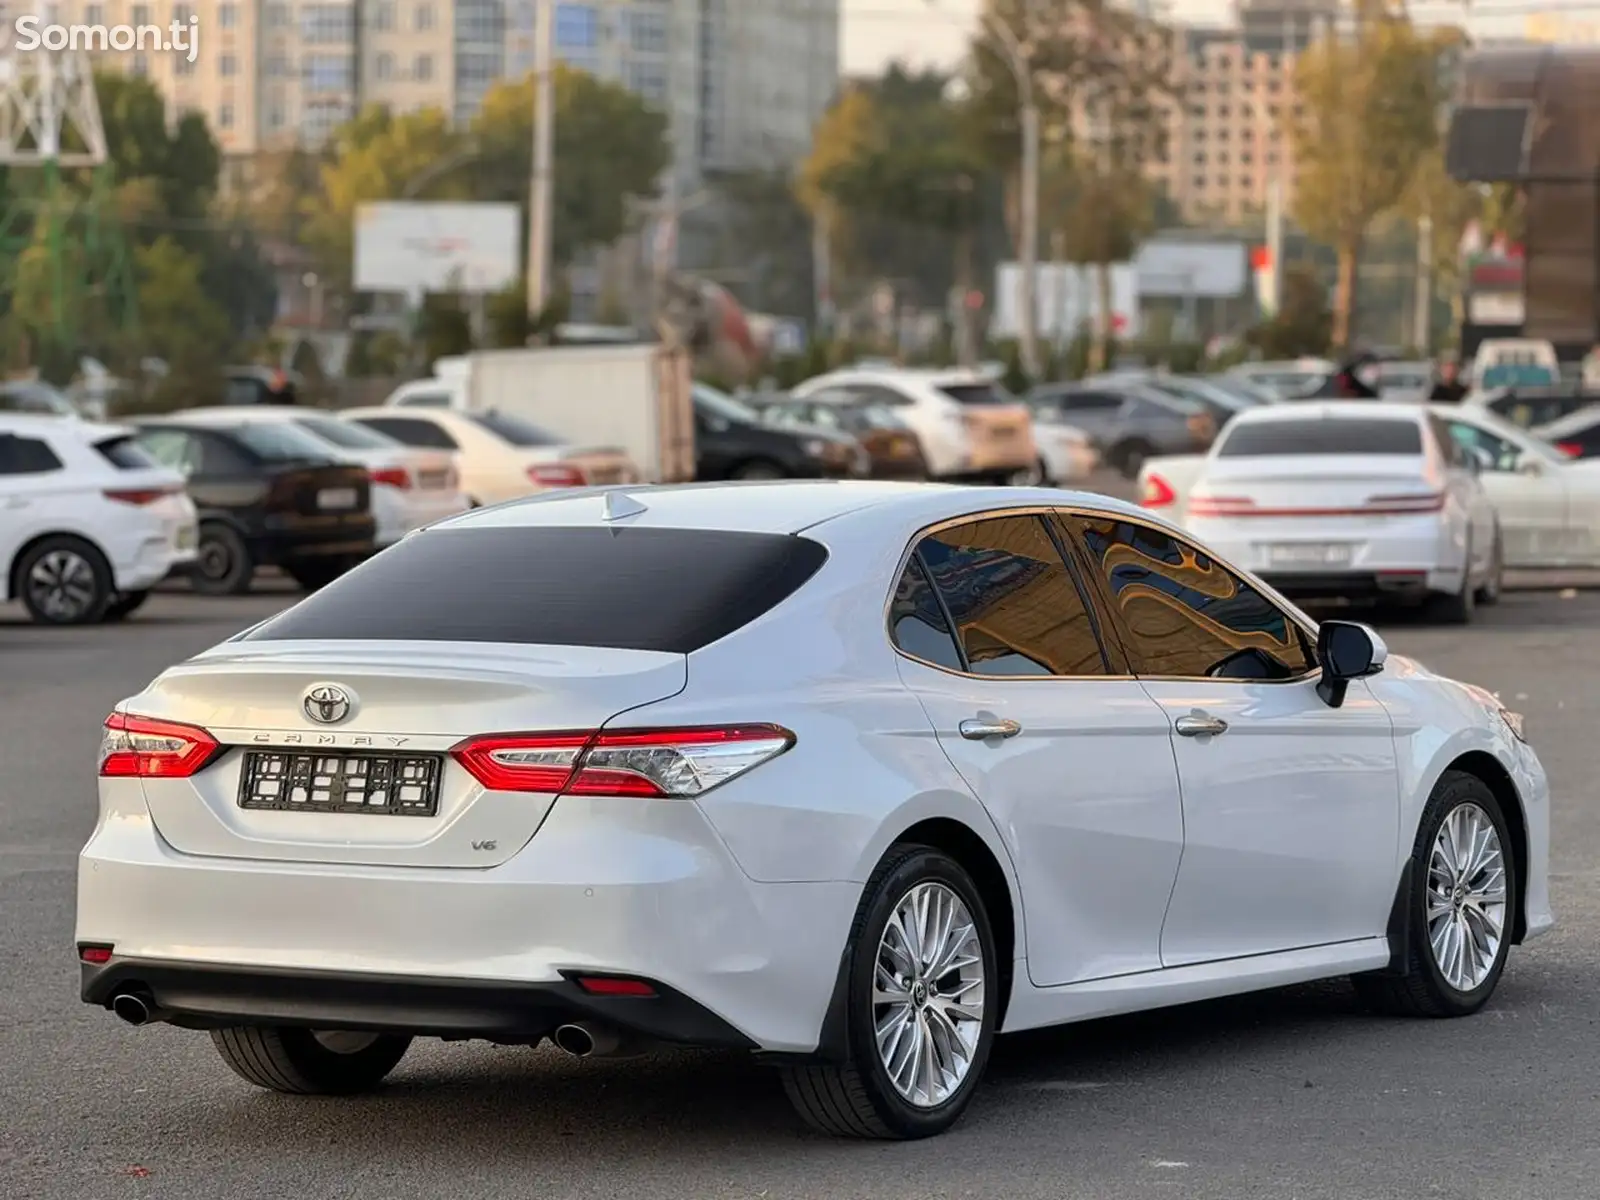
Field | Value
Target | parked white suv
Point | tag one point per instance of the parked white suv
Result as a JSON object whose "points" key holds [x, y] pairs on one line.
{"points": [[89, 522], [969, 427]]}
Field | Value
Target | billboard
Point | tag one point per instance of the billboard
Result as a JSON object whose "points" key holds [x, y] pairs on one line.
{"points": [[416, 246]]}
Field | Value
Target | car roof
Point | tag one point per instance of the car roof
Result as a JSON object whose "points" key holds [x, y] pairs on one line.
{"points": [[1329, 410], [45, 423], [239, 414], [1581, 418], [400, 411], [780, 507]]}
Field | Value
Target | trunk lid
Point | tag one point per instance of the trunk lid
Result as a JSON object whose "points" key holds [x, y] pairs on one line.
{"points": [[324, 490], [408, 704], [1315, 484]]}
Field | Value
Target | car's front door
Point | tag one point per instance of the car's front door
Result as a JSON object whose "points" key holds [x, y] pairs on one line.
{"points": [[1072, 761], [1529, 493], [1291, 809]]}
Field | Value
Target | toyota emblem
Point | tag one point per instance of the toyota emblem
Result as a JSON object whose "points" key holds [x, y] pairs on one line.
{"points": [[327, 704]]}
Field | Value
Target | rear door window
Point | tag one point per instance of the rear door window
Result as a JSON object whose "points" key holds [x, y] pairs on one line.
{"points": [[917, 622], [1016, 607], [672, 590], [1314, 435]]}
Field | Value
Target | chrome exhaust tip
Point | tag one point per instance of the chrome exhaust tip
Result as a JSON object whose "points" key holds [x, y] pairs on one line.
{"points": [[134, 1008]]}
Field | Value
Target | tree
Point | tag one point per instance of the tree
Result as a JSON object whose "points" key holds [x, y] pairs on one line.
{"points": [[1303, 322], [375, 156], [906, 193], [1370, 116], [610, 149], [768, 234]]}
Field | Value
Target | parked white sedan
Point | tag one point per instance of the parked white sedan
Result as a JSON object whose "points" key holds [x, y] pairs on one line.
{"points": [[850, 775], [1549, 503], [1351, 500]]}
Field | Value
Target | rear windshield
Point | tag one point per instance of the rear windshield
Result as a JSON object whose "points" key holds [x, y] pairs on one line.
{"points": [[126, 454], [976, 393], [1337, 435], [347, 434], [515, 430], [672, 590], [279, 441]]}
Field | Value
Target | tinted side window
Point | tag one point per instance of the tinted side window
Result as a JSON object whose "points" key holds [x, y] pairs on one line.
{"points": [[26, 456], [917, 624], [126, 454], [1502, 455], [1089, 402], [1016, 607], [219, 456], [171, 448], [412, 432], [1186, 615]]}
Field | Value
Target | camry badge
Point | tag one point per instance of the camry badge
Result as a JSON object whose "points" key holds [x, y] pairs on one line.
{"points": [[327, 704]]}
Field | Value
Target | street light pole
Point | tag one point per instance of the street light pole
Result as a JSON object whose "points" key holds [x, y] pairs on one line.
{"points": [[540, 200], [1028, 235]]}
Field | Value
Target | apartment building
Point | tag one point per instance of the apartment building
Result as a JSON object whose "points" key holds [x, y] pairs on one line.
{"points": [[741, 80], [1227, 138]]}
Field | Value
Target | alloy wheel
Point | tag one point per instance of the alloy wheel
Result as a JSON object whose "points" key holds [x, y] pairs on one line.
{"points": [[928, 994], [62, 585], [215, 559], [1466, 897]]}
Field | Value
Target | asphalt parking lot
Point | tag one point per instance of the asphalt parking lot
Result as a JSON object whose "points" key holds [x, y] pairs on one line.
{"points": [[1289, 1095]]}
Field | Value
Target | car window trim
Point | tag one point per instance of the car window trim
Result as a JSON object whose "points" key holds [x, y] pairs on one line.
{"points": [[913, 550], [1103, 596]]}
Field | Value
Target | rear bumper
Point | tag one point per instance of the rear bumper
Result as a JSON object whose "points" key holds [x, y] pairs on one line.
{"points": [[606, 886], [1350, 585], [398, 513], [347, 539], [208, 996]]}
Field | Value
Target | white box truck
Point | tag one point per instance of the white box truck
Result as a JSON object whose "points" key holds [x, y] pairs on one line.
{"points": [[638, 398]]}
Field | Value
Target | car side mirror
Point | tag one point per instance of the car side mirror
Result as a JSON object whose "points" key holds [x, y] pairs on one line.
{"points": [[1347, 650], [1530, 466]]}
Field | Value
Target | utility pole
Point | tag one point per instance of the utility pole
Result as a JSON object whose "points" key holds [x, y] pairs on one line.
{"points": [[1017, 58], [540, 199], [1423, 317]]}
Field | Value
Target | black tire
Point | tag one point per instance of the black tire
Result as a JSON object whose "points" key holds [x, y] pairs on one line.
{"points": [[125, 605], [64, 580], [758, 468], [1129, 457], [1458, 608], [313, 576], [1489, 593], [858, 1099], [1423, 991], [296, 1062], [224, 565]]}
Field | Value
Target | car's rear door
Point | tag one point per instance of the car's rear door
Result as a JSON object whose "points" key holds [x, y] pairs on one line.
{"points": [[1069, 755], [1291, 809], [1531, 495]]}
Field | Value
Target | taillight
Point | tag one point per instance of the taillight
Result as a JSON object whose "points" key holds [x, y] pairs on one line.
{"points": [[1570, 449], [557, 476], [1424, 503], [654, 764], [1220, 506], [395, 477], [146, 748], [1157, 493], [142, 496]]}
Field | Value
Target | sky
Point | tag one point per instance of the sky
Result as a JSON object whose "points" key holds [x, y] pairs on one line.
{"points": [[934, 32]]}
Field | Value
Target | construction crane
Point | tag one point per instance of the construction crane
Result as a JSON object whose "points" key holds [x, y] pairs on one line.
{"points": [[59, 236]]}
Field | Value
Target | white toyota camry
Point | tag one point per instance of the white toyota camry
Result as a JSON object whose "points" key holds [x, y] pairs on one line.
{"points": [[853, 776]]}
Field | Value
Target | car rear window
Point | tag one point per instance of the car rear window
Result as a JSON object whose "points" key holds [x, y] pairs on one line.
{"points": [[1327, 435], [515, 430], [976, 393], [126, 454], [347, 434], [278, 442], [672, 590]]}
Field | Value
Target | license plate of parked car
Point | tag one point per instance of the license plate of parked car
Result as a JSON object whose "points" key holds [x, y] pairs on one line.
{"points": [[336, 498], [1309, 554], [385, 784]]}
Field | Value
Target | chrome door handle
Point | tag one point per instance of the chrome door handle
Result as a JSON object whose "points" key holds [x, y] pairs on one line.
{"points": [[1200, 726], [977, 731]]}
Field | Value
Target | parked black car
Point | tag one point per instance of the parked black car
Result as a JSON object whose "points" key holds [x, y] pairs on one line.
{"points": [[733, 442], [268, 495], [1533, 407]]}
